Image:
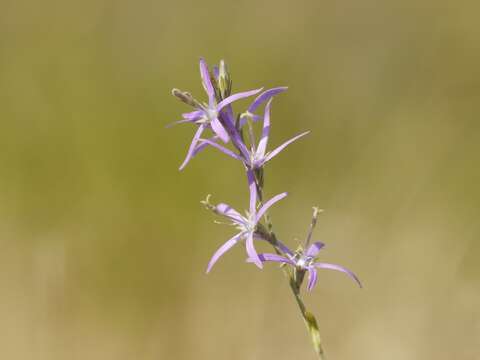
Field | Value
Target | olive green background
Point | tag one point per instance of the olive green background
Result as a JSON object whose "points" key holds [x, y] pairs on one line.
{"points": [[104, 244]]}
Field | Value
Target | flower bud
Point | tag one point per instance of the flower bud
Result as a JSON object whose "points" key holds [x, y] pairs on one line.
{"points": [[184, 96], [224, 80]]}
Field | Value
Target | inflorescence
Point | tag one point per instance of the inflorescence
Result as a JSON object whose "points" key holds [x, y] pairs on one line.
{"points": [[234, 135]]}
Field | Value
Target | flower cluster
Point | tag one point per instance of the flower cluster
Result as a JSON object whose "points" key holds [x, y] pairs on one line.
{"points": [[303, 261], [234, 135], [216, 115]]}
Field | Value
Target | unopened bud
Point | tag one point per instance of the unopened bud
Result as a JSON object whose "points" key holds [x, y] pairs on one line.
{"points": [[184, 96], [224, 80], [223, 71]]}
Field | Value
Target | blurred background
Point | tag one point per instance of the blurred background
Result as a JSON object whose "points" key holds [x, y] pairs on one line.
{"points": [[104, 244]]}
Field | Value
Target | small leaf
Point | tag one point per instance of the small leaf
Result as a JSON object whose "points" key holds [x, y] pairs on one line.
{"points": [[312, 327]]}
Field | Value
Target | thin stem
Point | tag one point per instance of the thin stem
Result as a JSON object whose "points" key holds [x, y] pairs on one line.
{"points": [[316, 211], [270, 236], [293, 280]]}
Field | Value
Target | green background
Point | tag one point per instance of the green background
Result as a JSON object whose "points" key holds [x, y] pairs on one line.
{"points": [[104, 244]]}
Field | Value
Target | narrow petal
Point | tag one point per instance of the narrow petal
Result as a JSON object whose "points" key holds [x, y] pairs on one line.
{"points": [[178, 122], [283, 146], [193, 115], [236, 97], [207, 84], [279, 245], [222, 250], [191, 149], [202, 145], [253, 191], [268, 204], [273, 257], [244, 118], [322, 265], [228, 211], [222, 149], [228, 118], [312, 278], [218, 129], [252, 253], [262, 144], [265, 96], [229, 121], [284, 248], [216, 72], [314, 249]]}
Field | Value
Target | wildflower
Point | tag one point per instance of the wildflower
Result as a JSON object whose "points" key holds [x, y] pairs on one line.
{"points": [[257, 156], [206, 115], [246, 224], [224, 87], [218, 116], [305, 261]]}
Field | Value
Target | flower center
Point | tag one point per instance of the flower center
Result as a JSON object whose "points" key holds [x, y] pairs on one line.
{"points": [[208, 115], [248, 224], [303, 261], [211, 114], [255, 161]]}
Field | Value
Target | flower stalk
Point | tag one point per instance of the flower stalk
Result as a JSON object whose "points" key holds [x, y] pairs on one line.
{"points": [[295, 280]]}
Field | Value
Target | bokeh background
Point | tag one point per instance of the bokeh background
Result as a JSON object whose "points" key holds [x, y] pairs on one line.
{"points": [[104, 244]]}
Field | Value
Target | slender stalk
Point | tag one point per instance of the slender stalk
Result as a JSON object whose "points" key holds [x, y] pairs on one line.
{"points": [[295, 278]]}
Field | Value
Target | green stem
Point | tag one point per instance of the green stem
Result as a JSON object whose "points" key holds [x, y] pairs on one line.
{"points": [[295, 283], [295, 280]]}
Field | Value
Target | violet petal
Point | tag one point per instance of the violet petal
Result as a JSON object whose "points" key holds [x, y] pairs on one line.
{"points": [[193, 144], [253, 191], [262, 144], [312, 278], [273, 257], [218, 129], [283, 146], [252, 253], [178, 122], [268, 204], [216, 72], [193, 115], [228, 119], [314, 249], [322, 265], [202, 145], [222, 250], [265, 96], [243, 119], [222, 149], [236, 97], [207, 84], [228, 211]]}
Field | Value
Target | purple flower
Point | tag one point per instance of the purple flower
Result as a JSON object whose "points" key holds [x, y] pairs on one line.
{"points": [[263, 97], [305, 261], [257, 155], [245, 224], [206, 115]]}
